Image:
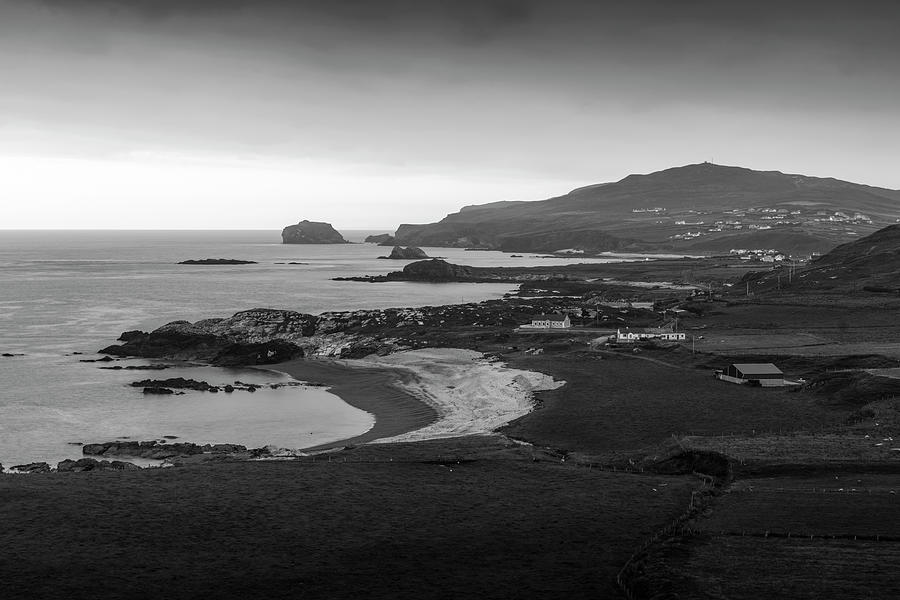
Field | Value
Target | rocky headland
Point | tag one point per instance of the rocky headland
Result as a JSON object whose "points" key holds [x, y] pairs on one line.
{"points": [[382, 239], [265, 336], [311, 232]]}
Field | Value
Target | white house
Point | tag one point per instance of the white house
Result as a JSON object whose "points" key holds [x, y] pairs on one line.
{"points": [[554, 321]]}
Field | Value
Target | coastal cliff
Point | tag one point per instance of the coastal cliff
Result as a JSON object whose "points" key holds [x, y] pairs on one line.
{"points": [[311, 232]]}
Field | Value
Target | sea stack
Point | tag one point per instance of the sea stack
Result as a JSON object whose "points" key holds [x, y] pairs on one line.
{"points": [[311, 232]]}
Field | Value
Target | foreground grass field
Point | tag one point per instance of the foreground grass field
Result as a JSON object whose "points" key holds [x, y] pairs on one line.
{"points": [[749, 568], [831, 535], [497, 528]]}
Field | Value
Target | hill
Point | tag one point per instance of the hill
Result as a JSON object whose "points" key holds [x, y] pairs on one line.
{"points": [[695, 208], [869, 264]]}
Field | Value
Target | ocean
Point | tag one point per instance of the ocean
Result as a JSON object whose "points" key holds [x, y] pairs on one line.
{"points": [[66, 294]]}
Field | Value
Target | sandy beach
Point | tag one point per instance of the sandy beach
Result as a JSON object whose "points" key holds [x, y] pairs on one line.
{"points": [[376, 390], [471, 394], [425, 394]]}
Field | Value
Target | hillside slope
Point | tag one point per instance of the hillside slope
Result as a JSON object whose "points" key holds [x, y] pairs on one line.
{"points": [[870, 264], [695, 208]]}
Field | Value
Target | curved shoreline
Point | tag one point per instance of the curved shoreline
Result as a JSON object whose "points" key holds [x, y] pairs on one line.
{"points": [[372, 389]]}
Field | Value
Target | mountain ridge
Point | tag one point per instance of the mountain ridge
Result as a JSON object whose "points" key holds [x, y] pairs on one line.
{"points": [[700, 207]]}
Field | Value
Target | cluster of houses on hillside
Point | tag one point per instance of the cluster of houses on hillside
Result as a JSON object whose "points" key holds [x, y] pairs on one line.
{"points": [[771, 255]]}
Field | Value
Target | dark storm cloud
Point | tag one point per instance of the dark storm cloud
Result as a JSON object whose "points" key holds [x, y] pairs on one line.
{"points": [[522, 85]]}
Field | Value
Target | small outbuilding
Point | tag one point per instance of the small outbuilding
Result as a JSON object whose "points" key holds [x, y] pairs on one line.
{"points": [[762, 374]]}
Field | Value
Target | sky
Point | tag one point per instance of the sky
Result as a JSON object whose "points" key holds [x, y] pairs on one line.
{"points": [[219, 114]]}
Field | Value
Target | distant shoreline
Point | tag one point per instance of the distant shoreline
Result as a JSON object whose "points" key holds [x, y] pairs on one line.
{"points": [[371, 389]]}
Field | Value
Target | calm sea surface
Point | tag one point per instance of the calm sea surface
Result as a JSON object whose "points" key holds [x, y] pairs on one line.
{"points": [[65, 292]]}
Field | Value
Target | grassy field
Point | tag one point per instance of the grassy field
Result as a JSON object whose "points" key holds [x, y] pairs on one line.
{"points": [[838, 447], [386, 528], [749, 568], [833, 534], [624, 403], [800, 328], [857, 504]]}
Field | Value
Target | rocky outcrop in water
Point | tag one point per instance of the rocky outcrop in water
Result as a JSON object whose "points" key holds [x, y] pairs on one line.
{"points": [[174, 382], [436, 270], [409, 253], [158, 391], [217, 261], [157, 367], [311, 232]]}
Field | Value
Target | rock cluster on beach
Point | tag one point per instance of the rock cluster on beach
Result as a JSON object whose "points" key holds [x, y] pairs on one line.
{"points": [[311, 232], [156, 450], [90, 464], [75, 466], [36, 467]]}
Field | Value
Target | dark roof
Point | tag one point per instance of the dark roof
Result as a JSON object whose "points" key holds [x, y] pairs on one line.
{"points": [[758, 369], [553, 317]]}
